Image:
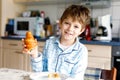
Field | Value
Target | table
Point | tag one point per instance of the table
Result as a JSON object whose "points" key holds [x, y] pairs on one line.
{"points": [[13, 74]]}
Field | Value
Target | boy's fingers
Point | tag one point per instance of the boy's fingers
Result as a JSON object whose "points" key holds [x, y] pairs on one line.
{"points": [[25, 51], [22, 40]]}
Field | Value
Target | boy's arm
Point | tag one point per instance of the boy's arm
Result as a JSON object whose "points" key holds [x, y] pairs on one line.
{"points": [[37, 63]]}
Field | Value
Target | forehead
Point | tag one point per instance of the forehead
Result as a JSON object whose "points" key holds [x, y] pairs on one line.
{"points": [[72, 20]]}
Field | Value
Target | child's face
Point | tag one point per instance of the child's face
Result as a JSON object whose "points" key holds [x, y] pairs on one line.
{"points": [[70, 29]]}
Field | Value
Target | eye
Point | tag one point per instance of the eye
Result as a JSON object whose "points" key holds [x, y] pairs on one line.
{"points": [[67, 23], [76, 26]]}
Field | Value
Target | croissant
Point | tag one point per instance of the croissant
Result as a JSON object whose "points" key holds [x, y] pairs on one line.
{"points": [[53, 75], [29, 41]]}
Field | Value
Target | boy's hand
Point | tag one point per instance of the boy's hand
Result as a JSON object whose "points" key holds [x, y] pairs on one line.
{"points": [[33, 52]]}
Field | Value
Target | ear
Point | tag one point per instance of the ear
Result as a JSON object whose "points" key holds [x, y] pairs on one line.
{"points": [[60, 24]]}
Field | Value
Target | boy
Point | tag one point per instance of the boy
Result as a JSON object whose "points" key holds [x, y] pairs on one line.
{"points": [[65, 54]]}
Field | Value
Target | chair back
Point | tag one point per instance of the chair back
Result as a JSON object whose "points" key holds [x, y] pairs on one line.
{"points": [[98, 73], [109, 74]]}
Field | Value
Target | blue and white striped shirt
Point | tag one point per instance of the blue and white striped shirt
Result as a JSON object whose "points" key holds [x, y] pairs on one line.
{"points": [[71, 61]]}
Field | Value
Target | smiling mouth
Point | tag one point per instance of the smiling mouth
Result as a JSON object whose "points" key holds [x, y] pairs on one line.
{"points": [[68, 33]]}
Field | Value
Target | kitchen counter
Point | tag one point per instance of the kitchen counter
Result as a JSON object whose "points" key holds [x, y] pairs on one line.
{"points": [[22, 37], [111, 43], [94, 42]]}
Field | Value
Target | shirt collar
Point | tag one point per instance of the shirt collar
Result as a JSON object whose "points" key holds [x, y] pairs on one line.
{"points": [[75, 46]]}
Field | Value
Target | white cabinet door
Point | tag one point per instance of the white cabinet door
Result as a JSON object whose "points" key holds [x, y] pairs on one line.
{"points": [[98, 62], [13, 56], [99, 56], [1, 58], [1, 54], [46, 2], [14, 59], [20, 1], [40, 46]]}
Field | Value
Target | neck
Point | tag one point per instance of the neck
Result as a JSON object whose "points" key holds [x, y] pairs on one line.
{"points": [[67, 42]]}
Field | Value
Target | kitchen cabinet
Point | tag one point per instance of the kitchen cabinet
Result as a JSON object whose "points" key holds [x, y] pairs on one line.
{"points": [[89, 3], [99, 56], [14, 59], [40, 46], [0, 15], [96, 3], [20, 1], [0, 54], [46, 2], [0, 58], [13, 56]]}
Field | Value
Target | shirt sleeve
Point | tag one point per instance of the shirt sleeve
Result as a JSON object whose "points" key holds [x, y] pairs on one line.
{"points": [[37, 63]]}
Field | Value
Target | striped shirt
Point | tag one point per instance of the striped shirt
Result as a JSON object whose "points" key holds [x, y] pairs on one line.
{"points": [[71, 61]]}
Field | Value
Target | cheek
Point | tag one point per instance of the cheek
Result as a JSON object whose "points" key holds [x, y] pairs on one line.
{"points": [[62, 27], [78, 32]]}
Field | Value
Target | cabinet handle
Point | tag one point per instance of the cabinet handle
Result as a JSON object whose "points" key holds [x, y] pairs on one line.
{"points": [[18, 52], [89, 50], [13, 44]]}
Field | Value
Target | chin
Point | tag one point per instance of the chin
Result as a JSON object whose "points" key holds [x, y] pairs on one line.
{"points": [[68, 38]]}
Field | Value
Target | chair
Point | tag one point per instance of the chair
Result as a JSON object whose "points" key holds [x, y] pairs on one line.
{"points": [[109, 74], [98, 73]]}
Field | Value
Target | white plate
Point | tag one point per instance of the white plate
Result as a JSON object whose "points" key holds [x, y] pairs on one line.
{"points": [[42, 76]]}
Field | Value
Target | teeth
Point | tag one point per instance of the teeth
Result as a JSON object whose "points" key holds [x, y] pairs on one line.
{"points": [[69, 33]]}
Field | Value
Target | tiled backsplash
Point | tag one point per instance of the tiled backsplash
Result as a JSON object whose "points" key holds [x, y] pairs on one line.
{"points": [[55, 11], [115, 18]]}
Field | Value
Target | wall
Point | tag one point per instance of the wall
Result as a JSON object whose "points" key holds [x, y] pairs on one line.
{"points": [[116, 18], [0, 14], [52, 11], [115, 13], [55, 11], [9, 10]]}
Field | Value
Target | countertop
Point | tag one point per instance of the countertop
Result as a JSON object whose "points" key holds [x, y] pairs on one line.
{"points": [[114, 42]]}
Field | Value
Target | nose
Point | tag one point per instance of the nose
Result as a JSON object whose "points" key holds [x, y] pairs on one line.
{"points": [[70, 28]]}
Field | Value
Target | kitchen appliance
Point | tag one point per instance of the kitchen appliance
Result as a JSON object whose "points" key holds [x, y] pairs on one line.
{"points": [[86, 35], [48, 27], [104, 29], [24, 24], [56, 28], [116, 60], [9, 27]]}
